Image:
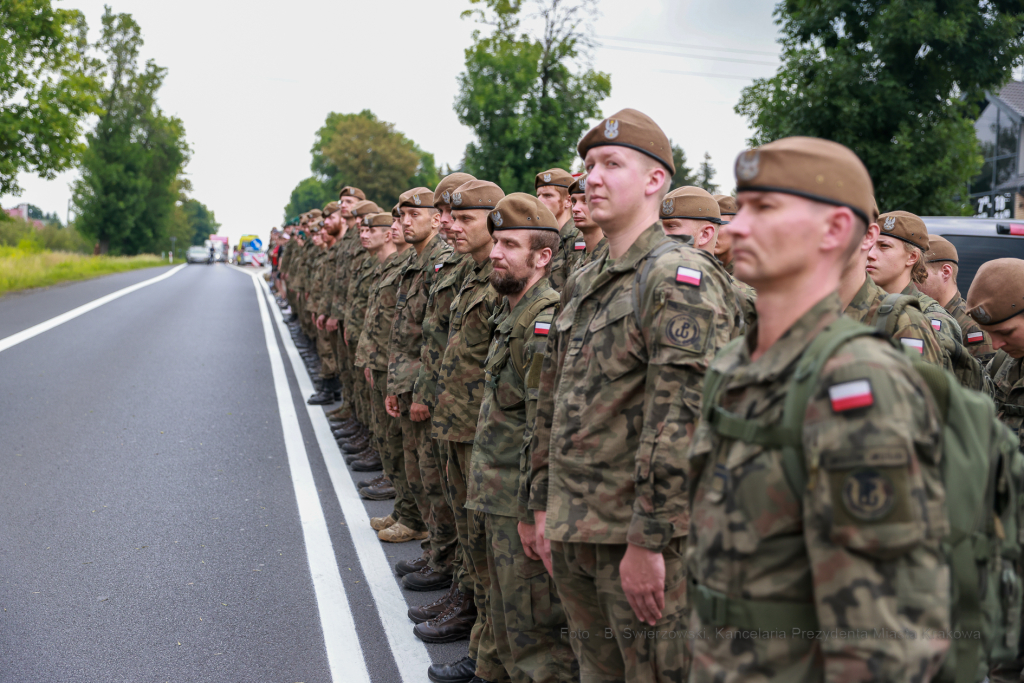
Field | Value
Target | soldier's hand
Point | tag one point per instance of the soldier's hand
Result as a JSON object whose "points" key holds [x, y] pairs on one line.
{"points": [[542, 545], [642, 572], [391, 405], [332, 324], [528, 535], [419, 412], [320, 322], [344, 335], [369, 376]]}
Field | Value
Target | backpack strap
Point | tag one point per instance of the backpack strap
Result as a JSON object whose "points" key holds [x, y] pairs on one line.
{"points": [[892, 307], [517, 337], [644, 271]]}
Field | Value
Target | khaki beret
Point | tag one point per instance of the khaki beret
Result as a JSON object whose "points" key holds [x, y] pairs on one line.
{"points": [[553, 176], [443, 192], [819, 170], [331, 208], [476, 194], [365, 207], [579, 186], [997, 293], [633, 129], [904, 226], [727, 205], [349, 191], [418, 196], [379, 220], [396, 210], [691, 202], [520, 211], [940, 249], [315, 215], [875, 213]]}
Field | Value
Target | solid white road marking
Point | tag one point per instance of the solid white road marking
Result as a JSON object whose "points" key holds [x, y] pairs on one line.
{"points": [[344, 655], [14, 339], [410, 653]]}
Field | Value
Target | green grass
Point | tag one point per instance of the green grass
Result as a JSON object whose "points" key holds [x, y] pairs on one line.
{"points": [[27, 266]]}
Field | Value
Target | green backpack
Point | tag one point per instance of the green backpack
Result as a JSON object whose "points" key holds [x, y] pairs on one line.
{"points": [[984, 503]]}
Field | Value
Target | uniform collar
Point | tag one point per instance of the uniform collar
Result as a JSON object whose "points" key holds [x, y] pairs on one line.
{"points": [[953, 305], [532, 294]]}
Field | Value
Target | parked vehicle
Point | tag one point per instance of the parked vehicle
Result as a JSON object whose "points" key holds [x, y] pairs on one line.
{"points": [[978, 240], [198, 254]]}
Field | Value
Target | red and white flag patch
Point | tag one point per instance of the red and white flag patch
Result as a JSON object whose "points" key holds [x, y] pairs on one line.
{"points": [[975, 337], [542, 328], [437, 266], [688, 276], [936, 325], [579, 245], [917, 344], [850, 395]]}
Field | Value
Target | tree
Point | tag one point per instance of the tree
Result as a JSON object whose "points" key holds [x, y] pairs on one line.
{"points": [[684, 174], [365, 152], [705, 174], [899, 83], [527, 99], [309, 194], [48, 85], [126, 196]]}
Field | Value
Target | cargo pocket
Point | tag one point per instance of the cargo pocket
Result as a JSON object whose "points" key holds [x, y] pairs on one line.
{"points": [[537, 588], [611, 338]]}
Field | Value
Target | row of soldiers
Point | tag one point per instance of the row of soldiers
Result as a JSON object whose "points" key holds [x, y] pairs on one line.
{"points": [[532, 372]]}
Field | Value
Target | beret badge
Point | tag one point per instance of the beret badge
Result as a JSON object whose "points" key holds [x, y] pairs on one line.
{"points": [[446, 197], [611, 129], [457, 199], [666, 207], [748, 165], [547, 177], [890, 223], [496, 217], [416, 200]]}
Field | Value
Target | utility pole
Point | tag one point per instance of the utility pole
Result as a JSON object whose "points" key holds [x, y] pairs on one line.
{"points": [[172, 247]]}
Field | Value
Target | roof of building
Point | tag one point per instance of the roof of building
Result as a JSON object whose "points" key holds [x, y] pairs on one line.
{"points": [[1012, 95]]}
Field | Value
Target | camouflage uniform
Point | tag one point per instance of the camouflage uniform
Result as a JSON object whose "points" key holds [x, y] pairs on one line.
{"points": [[912, 325], [619, 395], [600, 251], [965, 367], [459, 391], [372, 352], [525, 612], [352, 259], [285, 266], [977, 341], [421, 466], [571, 249], [764, 560], [320, 300], [360, 281]]}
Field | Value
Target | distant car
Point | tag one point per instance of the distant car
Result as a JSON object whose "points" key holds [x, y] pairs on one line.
{"points": [[221, 258], [198, 255], [978, 240]]}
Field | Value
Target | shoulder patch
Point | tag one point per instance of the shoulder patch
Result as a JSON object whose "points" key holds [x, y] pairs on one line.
{"points": [[688, 276], [541, 328], [916, 344], [579, 245], [975, 337], [868, 494], [438, 266], [936, 325], [851, 395]]}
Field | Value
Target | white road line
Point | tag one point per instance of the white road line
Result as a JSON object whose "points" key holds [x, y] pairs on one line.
{"points": [[24, 335], [409, 651], [344, 655]]}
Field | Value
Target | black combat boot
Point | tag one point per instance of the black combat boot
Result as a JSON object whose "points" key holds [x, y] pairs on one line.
{"points": [[326, 393]]}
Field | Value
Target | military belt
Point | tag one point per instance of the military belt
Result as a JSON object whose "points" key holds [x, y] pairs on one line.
{"points": [[718, 609], [1011, 410]]}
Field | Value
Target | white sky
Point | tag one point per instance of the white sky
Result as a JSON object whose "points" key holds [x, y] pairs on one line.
{"points": [[253, 81]]}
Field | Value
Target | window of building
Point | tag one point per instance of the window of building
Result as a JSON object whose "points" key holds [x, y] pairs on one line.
{"points": [[999, 136]]}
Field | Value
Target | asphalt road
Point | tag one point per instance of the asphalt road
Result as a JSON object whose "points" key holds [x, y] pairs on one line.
{"points": [[154, 520]]}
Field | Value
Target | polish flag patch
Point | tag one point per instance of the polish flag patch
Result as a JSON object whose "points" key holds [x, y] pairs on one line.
{"points": [[437, 266], [975, 337], [542, 328], [917, 344], [688, 276], [579, 245], [851, 395], [936, 325]]}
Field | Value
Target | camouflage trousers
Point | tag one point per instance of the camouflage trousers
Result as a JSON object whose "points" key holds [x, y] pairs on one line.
{"points": [[424, 476], [387, 433], [530, 630], [325, 344], [440, 449], [346, 375], [291, 298], [472, 531], [610, 643]]}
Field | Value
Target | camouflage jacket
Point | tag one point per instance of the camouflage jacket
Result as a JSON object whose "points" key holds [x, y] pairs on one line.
{"points": [[977, 341], [284, 262], [447, 281], [351, 260], [498, 464], [959, 361], [299, 266], [314, 278], [600, 251], [571, 249], [372, 349], [857, 551], [357, 298], [1008, 378], [460, 379], [407, 331], [327, 278], [621, 390], [912, 327]]}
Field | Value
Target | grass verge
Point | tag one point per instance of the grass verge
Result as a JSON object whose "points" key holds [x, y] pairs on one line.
{"points": [[22, 268]]}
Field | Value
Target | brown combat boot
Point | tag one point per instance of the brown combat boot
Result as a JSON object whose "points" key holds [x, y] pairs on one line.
{"points": [[455, 623], [434, 609]]}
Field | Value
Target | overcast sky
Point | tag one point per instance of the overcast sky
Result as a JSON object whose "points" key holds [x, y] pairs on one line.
{"points": [[253, 82]]}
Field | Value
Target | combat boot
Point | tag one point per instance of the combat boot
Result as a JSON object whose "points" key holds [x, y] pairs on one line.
{"points": [[381, 523], [370, 463], [426, 579], [403, 567], [379, 479], [348, 431], [326, 393], [382, 491], [453, 624], [462, 671], [361, 455], [400, 533], [356, 444], [433, 610]]}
